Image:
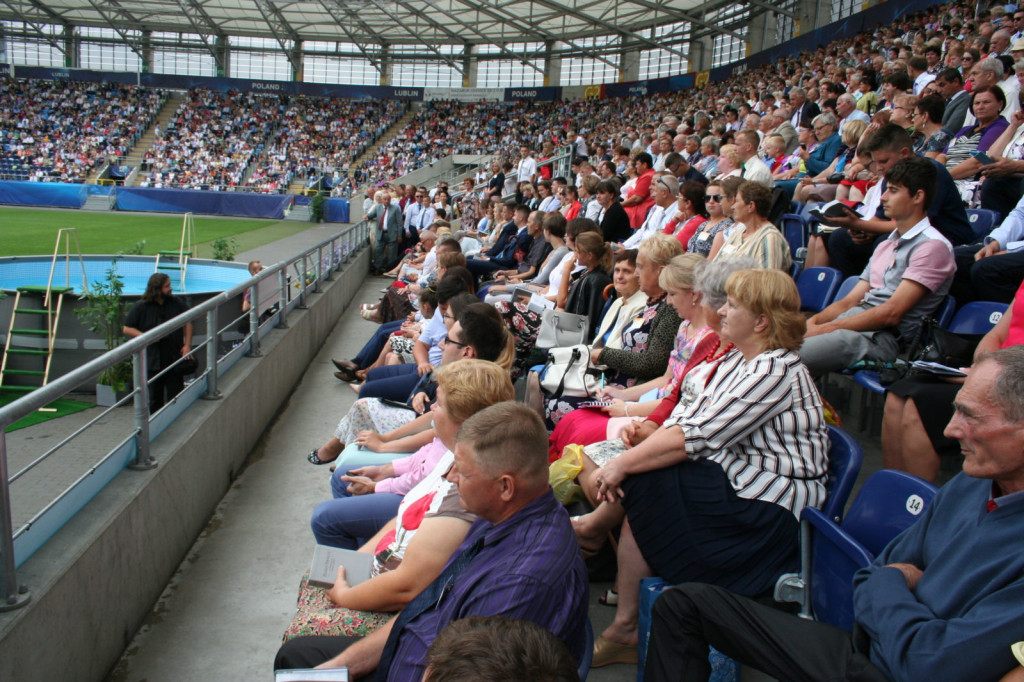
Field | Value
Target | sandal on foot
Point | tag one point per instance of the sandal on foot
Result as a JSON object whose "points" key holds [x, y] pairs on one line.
{"points": [[313, 458], [609, 598], [607, 652]]}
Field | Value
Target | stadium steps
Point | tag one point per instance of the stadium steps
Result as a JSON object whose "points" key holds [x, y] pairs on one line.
{"points": [[145, 143], [391, 133], [97, 202], [299, 214]]}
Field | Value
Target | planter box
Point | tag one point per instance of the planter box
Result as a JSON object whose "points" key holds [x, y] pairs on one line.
{"points": [[106, 396]]}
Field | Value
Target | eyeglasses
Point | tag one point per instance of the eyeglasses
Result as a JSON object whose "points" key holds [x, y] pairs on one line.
{"points": [[448, 339], [713, 197]]}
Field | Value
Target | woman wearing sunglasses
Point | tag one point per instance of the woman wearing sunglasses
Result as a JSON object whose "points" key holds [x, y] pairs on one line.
{"points": [[718, 219]]}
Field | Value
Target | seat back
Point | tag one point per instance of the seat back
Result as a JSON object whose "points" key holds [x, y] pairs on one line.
{"points": [[983, 220], [588, 654], [794, 228], [845, 457], [889, 502], [835, 558], [977, 317], [818, 287], [846, 287], [944, 313]]}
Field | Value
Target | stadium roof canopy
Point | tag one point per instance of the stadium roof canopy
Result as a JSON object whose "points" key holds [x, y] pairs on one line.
{"points": [[428, 25]]}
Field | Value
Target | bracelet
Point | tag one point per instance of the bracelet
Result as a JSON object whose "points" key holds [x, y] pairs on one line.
{"points": [[625, 406]]}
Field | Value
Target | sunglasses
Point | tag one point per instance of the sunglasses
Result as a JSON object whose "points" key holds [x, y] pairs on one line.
{"points": [[713, 197]]}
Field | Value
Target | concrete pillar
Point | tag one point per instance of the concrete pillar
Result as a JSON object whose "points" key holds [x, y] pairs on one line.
{"points": [[386, 65], [470, 68], [295, 57], [147, 51], [700, 53], [812, 14], [629, 66], [760, 32], [71, 43], [552, 66], [222, 57]]}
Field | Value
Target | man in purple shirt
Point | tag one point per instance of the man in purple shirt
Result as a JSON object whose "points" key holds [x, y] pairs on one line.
{"points": [[520, 558]]}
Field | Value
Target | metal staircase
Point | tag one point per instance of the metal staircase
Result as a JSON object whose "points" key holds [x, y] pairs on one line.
{"points": [[31, 336], [32, 332]]}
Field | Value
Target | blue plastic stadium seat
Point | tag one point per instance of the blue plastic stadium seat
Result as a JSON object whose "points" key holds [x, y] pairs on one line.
{"points": [[983, 221], [818, 287], [794, 228], [830, 553], [723, 668]]}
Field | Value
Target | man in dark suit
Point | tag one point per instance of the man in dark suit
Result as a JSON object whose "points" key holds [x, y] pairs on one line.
{"points": [[802, 109], [951, 86]]}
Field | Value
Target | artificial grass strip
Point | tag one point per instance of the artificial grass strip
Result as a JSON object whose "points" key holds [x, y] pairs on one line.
{"points": [[33, 231], [63, 407]]}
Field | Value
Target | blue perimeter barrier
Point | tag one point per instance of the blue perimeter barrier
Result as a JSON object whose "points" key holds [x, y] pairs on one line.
{"points": [[56, 194], [151, 199], [336, 210]]}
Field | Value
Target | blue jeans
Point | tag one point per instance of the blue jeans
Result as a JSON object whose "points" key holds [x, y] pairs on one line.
{"points": [[394, 382], [348, 521], [371, 349]]}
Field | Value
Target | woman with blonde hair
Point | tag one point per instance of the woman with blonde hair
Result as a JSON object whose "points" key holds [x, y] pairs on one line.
{"points": [[715, 493], [730, 163], [819, 187], [410, 550]]}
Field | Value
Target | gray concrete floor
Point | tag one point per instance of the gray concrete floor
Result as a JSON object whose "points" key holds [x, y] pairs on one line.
{"points": [[222, 615]]}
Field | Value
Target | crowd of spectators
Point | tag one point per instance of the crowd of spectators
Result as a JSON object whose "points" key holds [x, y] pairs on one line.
{"points": [[211, 140], [321, 137], [61, 131], [711, 436]]}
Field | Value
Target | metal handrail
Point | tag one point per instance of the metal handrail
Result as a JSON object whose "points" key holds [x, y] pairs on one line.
{"points": [[343, 243]]}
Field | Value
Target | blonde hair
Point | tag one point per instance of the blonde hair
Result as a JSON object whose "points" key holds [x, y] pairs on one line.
{"points": [[771, 293], [660, 249], [680, 273], [853, 130], [732, 152], [470, 385]]}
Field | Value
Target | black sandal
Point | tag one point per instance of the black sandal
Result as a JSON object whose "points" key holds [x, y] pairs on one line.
{"points": [[312, 458]]}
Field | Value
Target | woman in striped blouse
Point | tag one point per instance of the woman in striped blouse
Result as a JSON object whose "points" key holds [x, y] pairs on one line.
{"points": [[714, 495]]}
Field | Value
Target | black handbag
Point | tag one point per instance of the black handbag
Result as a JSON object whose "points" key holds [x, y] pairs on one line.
{"points": [[948, 348], [187, 366]]}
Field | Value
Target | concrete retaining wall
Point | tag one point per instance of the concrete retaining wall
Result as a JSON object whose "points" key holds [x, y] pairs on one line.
{"points": [[96, 581]]}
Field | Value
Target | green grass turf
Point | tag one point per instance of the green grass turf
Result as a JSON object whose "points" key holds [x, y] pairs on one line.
{"points": [[26, 232], [62, 407]]}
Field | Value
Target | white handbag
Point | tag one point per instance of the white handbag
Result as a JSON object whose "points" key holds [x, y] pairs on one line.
{"points": [[559, 329], [568, 373]]}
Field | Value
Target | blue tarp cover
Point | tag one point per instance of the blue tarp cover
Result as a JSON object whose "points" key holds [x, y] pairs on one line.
{"points": [[199, 201], [336, 210], [60, 194]]}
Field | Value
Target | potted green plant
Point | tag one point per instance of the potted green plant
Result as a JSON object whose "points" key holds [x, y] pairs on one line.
{"points": [[102, 312], [317, 211]]}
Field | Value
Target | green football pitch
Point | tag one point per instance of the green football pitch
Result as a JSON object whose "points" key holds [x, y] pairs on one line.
{"points": [[34, 231]]}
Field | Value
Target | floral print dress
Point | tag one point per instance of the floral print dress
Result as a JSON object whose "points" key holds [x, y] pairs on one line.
{"points": [[316, 614]]}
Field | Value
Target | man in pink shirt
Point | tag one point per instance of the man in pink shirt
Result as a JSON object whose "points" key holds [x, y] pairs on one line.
{"points": [[906, 279]]}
